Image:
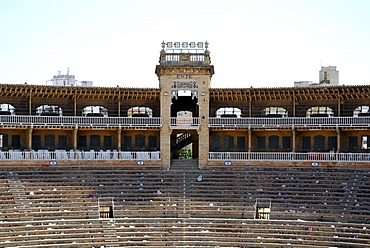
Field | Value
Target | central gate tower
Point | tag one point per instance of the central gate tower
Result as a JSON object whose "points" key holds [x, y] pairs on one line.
{"points": [[184, 73]]}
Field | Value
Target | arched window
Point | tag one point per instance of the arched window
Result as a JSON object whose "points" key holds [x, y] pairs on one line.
{"points": [[361, 111], [49, 110], [230, 112], [7, 109], [140, 112], [319, 111], [275, 112], [97, 111]]}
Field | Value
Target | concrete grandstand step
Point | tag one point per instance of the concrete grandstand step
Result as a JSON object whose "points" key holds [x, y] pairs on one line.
{"points": [[184, 164]]}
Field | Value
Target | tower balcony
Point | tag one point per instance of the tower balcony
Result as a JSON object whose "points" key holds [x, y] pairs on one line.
{"points": [[184, 122], [79, 121], [289, 122]]}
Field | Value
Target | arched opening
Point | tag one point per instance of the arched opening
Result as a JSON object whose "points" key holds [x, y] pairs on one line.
{"points": [[49, 110], [275, 112], [95, 111], [139, 112], [319, 111], [184, 103], [361, 111], [229, 112], [7, 109], [184, 144]]}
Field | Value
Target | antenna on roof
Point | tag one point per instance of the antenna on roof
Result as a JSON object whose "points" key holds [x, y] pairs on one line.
{"points": [[67, 70]]}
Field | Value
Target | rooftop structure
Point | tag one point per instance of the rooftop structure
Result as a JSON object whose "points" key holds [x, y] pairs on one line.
{"points": [[67, 80], [329, 75]]}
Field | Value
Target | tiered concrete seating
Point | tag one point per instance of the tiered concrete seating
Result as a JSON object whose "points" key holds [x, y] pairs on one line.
{"points": [[180, 232], [58, 206], [306, 193]]}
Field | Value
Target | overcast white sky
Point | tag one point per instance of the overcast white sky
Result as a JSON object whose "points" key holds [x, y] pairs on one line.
{"points": [[259, 43]]}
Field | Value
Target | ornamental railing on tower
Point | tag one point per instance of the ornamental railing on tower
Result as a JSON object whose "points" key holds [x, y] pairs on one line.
{"points": [[184, 122]]}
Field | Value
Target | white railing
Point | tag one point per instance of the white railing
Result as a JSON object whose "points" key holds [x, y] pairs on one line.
{"points": [[78, 155], [32, 120], [290, 122], [289, 156], [189, 122]]}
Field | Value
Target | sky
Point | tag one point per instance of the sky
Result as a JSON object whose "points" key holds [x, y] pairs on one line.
{"points": [[252, 43]]}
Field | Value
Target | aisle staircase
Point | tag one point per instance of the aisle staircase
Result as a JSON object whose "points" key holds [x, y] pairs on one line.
{"points": [[189, 169], [19, 193], [184, 164]]}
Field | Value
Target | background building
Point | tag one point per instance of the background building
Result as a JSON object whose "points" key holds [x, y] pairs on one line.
{"points": [[329, 75]]}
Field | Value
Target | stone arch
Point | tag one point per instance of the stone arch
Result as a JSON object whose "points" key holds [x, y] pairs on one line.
{"points": [[278, 112], [361, 111], [95, 111], [140, 111], [49, 110], [7, 109], [230, 112], [320, 111]]}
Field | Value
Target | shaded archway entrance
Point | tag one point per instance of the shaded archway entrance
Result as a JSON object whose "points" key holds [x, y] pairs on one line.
{"points": [[184, 144]]}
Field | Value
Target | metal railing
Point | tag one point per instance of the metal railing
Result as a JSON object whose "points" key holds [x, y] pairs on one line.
{"points": [[31, 120], [189, 122], [289, 156], [57, 155], [290, 122]]}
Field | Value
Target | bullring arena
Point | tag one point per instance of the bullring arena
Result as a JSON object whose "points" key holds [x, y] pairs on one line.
{"points": [[184, 164]]}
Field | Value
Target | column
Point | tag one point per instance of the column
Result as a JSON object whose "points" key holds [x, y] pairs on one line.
{"points": [[29, 140], [30, 105], [75, 105], [119, 138], [293, 144], [293, 140], [165, 132], [338, 107], [338, 139], [119, 107], [203, 145], [75, 130]]}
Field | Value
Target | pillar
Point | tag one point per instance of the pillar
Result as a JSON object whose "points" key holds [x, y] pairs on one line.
{"points": [[338, 139], [119, 138], [75, 130], [165, 132], [75, 105], [293, 140], [29, 138], [30, 105]]}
